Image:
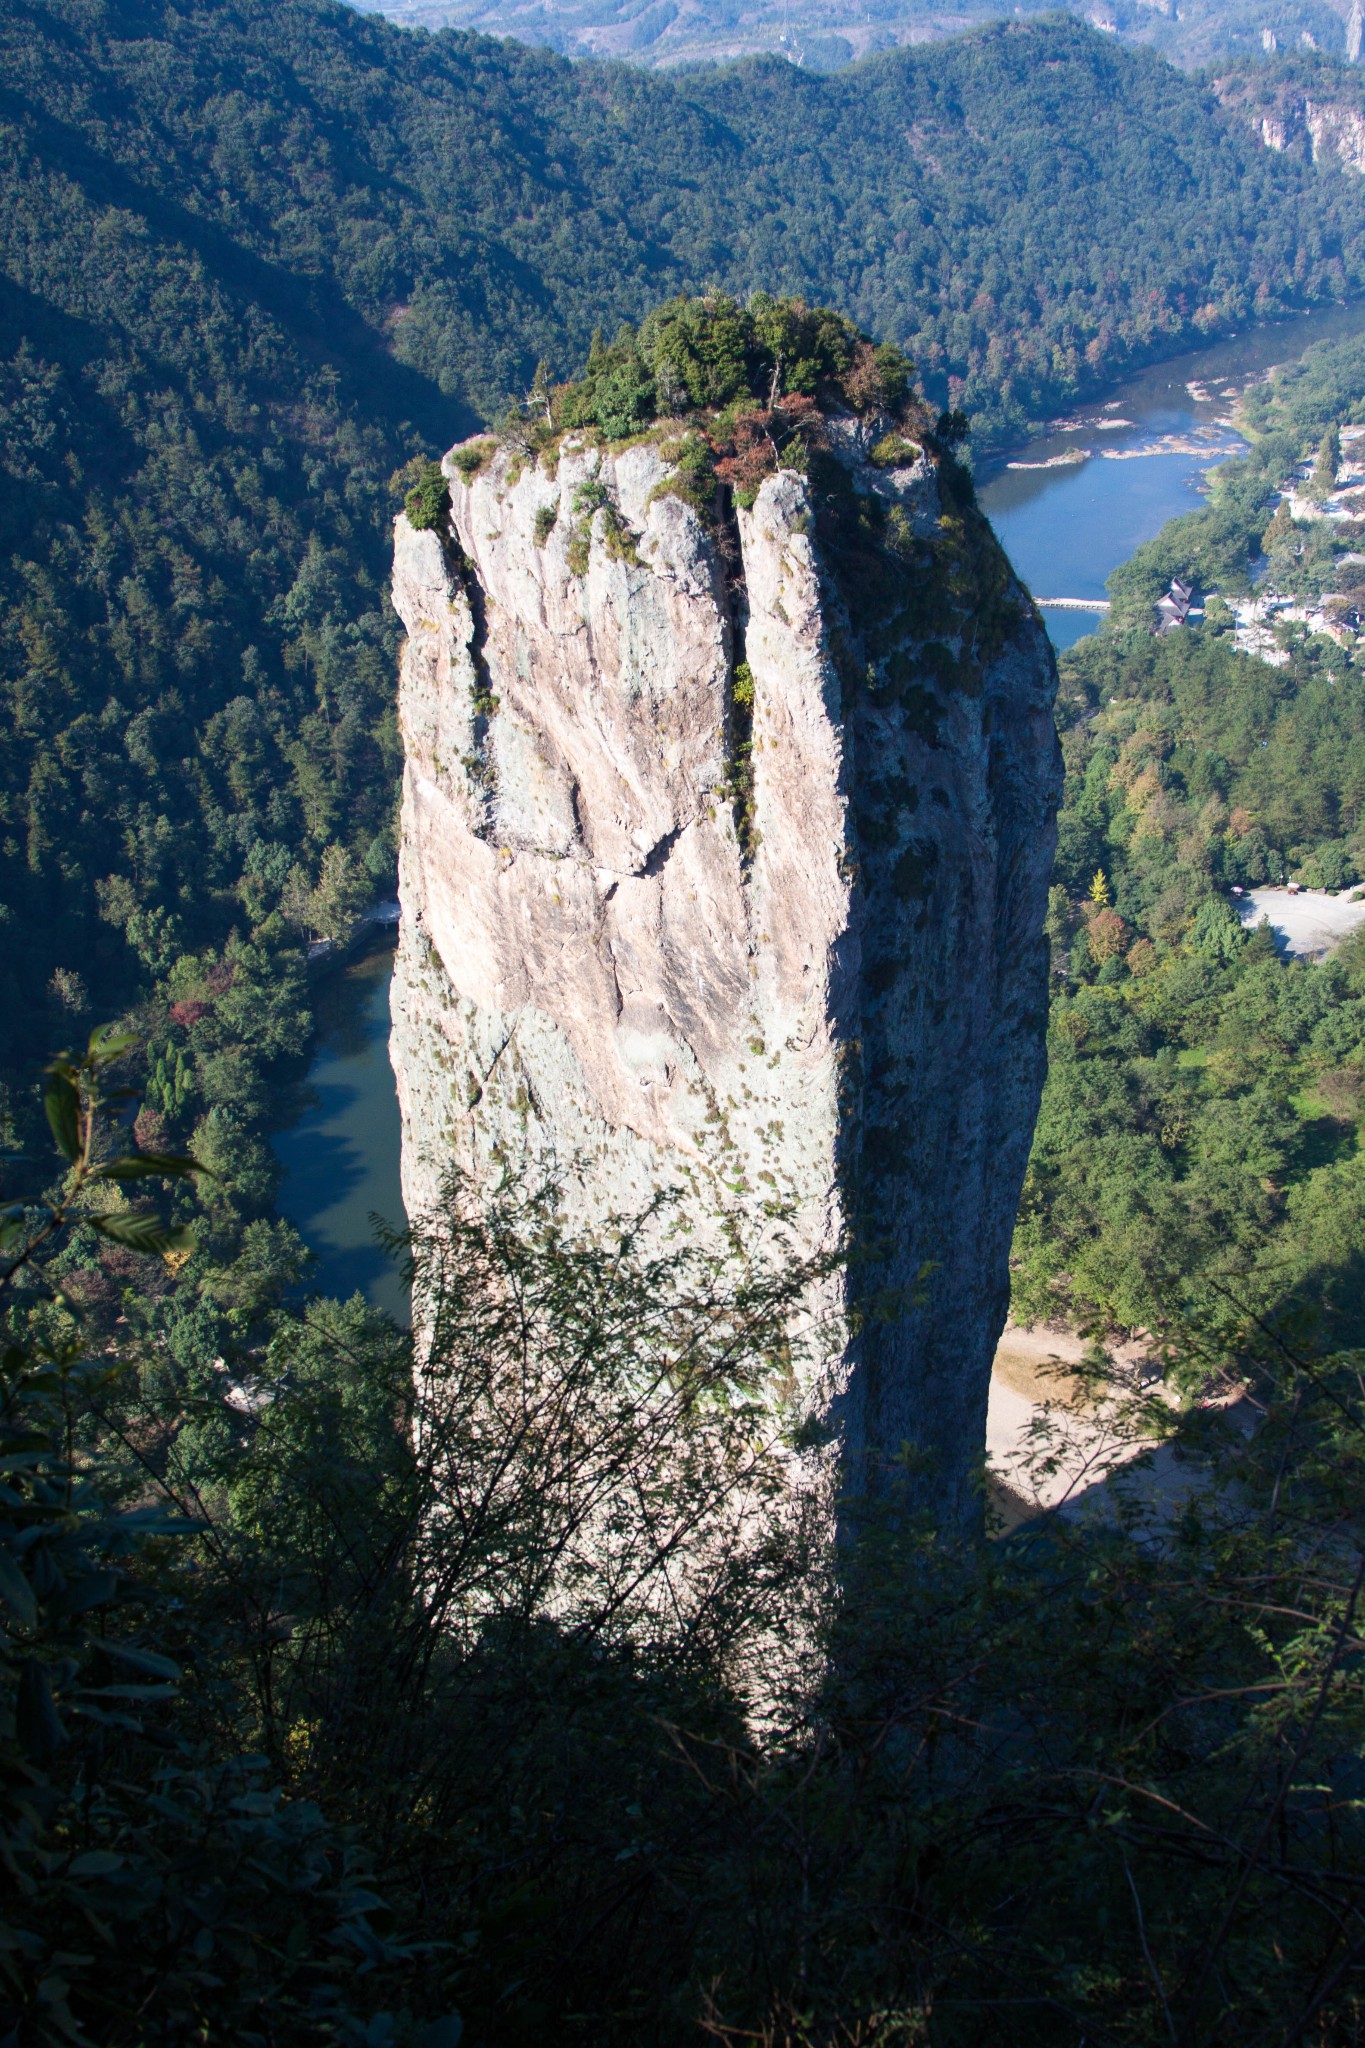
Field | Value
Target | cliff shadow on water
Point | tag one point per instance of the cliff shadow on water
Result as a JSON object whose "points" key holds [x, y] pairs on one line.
{"points": [[727, 827]]}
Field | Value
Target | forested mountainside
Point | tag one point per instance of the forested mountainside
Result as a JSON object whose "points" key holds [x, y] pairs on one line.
{"points": [[825, 34], [254, 257], [1304, 105], [477, 206]]}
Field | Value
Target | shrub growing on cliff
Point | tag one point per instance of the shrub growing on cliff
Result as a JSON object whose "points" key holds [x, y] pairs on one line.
{"points": [[706, 355], [692, 474], [893, 451], [428, 502], [470, 459]]}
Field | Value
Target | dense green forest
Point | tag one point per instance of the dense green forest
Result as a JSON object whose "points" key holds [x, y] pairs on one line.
{"points": [[1199, 1125], [945, 197]]}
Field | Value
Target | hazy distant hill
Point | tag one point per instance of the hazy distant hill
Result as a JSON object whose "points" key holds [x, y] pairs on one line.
{"points": [[823, 35]]}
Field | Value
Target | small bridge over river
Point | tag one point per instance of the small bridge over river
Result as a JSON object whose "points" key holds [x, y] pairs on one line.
{"points": [[1072, 604]]}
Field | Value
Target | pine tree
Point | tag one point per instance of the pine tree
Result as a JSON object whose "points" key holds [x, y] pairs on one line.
{"points": [[538, 397], [1329, 461]]}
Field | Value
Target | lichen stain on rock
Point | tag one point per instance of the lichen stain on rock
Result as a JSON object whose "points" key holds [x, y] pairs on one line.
{"points": [[845, 1012]]}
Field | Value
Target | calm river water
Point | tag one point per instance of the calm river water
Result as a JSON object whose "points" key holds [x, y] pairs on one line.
{"points": [[340, 1158], [1065, 529]]}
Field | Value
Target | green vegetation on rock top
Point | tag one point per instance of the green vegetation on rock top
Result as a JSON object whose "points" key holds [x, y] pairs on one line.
{"points": [[701, 355], [738, 391]]}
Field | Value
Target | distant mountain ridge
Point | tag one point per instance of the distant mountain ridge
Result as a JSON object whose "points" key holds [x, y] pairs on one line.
{"points": [[824, 35]]}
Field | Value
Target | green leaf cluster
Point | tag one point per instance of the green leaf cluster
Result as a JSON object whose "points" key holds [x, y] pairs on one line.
{"points": [[428, 502], [701, 355]]}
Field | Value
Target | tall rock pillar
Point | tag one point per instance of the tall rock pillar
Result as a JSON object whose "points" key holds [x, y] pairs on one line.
{"points": [[726, 839]]}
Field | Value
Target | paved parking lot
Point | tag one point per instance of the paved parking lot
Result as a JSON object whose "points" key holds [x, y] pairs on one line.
{"points": [[1308, 925]]}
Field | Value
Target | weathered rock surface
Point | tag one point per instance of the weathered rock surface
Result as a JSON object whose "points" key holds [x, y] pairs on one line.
{"points": [[1317, 127], [828, 990]]}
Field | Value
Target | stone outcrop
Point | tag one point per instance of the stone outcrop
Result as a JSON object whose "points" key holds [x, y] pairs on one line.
{"points": [[784, 951], [1326, 127]]}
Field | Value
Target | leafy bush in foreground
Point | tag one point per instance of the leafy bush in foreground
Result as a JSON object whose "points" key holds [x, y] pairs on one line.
{"points": [[157, 1885], [541, 1644]]}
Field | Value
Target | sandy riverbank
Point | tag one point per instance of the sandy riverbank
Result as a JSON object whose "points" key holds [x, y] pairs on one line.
{"points": [[1089, 1442], [1029, 1374]]}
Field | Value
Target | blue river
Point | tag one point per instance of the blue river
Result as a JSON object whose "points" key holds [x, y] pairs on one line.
{"points": [[340, 1157]]}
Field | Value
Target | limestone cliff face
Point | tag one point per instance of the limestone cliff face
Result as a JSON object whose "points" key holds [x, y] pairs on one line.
{"points": [[655, 935], [1317, 127]]}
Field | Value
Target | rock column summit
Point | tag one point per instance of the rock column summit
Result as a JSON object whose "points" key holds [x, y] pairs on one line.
{"points": [[726, 837]]}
